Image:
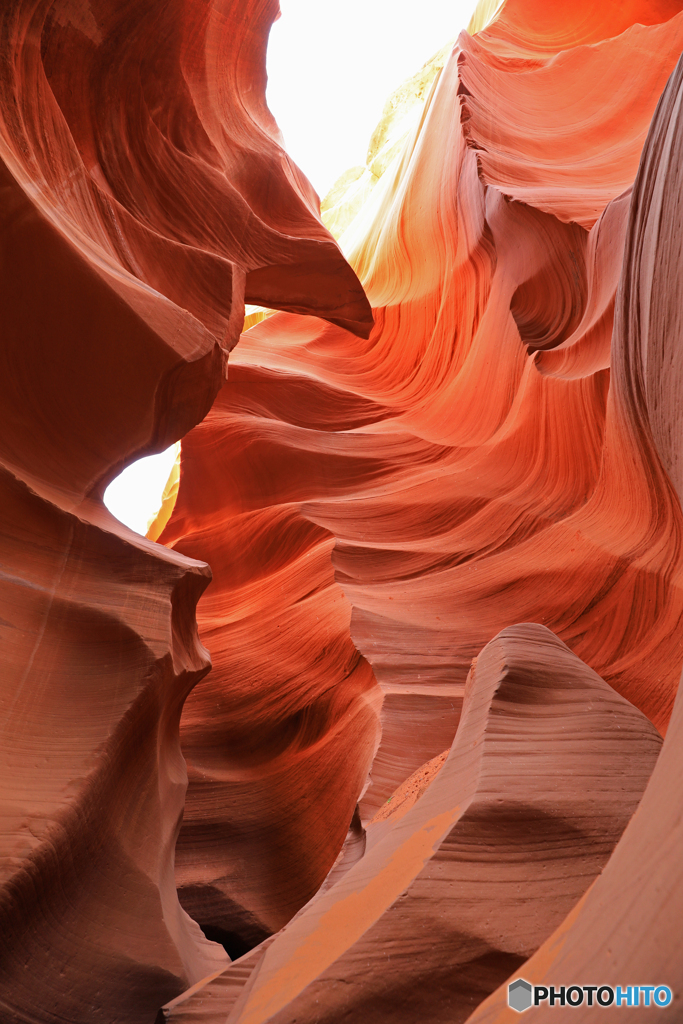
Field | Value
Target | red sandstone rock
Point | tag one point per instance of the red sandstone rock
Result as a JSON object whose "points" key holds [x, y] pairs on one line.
{"points": [[280, 738], [385, 503], [144, 194], [456, 488], [547, 766], [628, 925]]}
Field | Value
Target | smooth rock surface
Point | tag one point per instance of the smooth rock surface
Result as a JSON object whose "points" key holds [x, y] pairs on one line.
{"points": [[409, 495], [628, 926], [546, 769], [143, 194], [471, 424]]}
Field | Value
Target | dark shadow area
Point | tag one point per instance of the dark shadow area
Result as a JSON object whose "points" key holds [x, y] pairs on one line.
{"points": [[222, 919], [234, 945]]}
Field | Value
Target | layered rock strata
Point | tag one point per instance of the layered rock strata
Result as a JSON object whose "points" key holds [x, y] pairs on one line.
{"points": [[379, 493], [467, 466], [546, 769], [144, 195], [629, 924]]}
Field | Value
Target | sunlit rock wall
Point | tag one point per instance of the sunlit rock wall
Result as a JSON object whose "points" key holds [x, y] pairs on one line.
{"points": [[144, 196], [444, 532], [484, 458]]}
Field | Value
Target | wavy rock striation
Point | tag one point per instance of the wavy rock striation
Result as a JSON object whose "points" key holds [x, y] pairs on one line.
{"points": [[466, 467], [381, 827], [464, 884], [629, 924], [144, 195], [280, 737]]}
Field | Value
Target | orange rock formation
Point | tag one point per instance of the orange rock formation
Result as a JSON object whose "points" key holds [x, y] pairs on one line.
{"points": [[144, 194], [467, 882], [397, 793], [466, 467]]}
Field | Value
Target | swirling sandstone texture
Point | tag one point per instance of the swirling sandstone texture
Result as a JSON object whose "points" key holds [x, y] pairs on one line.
{"points": [[629, 923], [144, 194], [458, 889], [468, 466], [397, 793]]}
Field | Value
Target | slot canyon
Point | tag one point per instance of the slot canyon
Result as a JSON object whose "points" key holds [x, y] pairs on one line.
{"points": [[382, 713]]}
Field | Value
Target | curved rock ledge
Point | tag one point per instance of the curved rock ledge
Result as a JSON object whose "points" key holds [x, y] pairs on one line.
{"points": [[468, 466], [473, 423], [144, 193], [546, 769]]}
